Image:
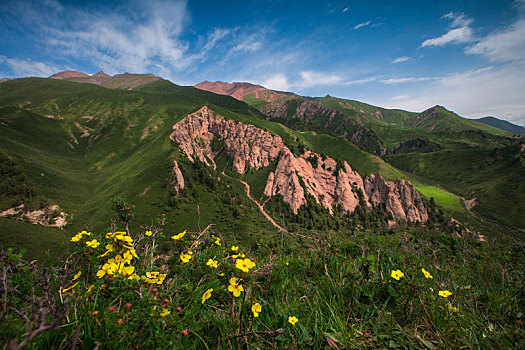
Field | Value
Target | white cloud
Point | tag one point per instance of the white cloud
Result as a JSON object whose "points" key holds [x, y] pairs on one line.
{"points": [[453, 36], [458, 19], [405, 80], [29, 68], [346, 9], [277, 82], [401, 59], [496, 91], [505, 45], [460, 32], [310, 78], [360, 25]]}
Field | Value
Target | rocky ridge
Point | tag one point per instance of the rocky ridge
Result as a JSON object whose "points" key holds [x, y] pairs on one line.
{"points": [[327, 182], [239, 90]]}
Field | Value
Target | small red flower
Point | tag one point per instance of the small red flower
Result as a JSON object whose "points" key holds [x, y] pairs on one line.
{"points": [[112, 309], [184, 332], [120, 321], [166, 300], [95, 313], [179, 309], [127, 306]]}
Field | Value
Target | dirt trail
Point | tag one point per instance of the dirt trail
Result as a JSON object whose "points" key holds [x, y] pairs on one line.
{"points": [[261, 208], [266, 215]]}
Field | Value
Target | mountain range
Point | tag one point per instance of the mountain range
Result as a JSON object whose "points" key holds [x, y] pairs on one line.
{"points": [[250, 160]]}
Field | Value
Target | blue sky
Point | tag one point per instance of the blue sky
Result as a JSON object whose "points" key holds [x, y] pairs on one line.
{"points": [[468, 56]]}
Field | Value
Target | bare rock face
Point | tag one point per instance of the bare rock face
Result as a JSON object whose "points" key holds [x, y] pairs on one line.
{"points": [[400, 198], [51, 215], [178, 179], [328, 185], [327, 182], [248, 146]]}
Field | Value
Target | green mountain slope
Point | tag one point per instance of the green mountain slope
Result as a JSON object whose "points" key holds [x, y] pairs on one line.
{"points": [[501, 124], [436, 145]]}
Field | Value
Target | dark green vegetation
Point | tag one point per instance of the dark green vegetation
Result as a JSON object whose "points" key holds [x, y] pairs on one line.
{"points": [[339, 288], [502, 124], [472, 160]]}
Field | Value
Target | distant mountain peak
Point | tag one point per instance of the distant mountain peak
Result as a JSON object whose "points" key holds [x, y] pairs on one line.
{"points": [[501, 124], [102, 74], [69, 74]]}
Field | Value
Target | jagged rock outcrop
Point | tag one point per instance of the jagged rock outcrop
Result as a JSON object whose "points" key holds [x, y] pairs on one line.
{"points": [[328, 182], [177, 178], [399, 197], [248, 146]]}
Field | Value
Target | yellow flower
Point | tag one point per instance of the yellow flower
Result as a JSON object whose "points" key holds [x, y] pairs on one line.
{"points": [[76, 238], [235, 288], [185, 257], [235, 256], [148, 233], [85, 233], [128, 270], [93, 244], [77, 275], [206, 295], [397, 274], [293, 320], [198, 242], [221, 274], [444, 293], [90, 288], [212, 263], [161, 278], [179, 236], [123, 238], [427, 274], [235, 248], [165, 312], [287, 263], [151, 274], [65, 290], [218, 241], [101, 273], [244, 264], [256, 308]]}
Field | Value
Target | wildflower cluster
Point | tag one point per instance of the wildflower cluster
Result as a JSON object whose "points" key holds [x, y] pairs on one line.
{"points": [[398, 274], [123, 252]]}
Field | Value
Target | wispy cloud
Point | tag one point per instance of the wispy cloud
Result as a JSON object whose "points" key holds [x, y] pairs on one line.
{"points": [[405, 80], [346, 9], [401, 59], [361, 25], [460, 32], [490, 90], [29, 68], [503, 45]]}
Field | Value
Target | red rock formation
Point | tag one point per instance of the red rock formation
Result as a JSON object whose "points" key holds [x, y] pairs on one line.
{"points": [[69, 74], [400, 198], [328, 183], [239, 90], [248, 146]]}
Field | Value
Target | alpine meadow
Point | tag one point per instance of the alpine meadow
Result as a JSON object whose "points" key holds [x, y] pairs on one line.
{"points": [[168, 209]]}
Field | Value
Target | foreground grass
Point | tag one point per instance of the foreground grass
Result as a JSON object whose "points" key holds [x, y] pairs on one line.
{"points": [[340, 289]]}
